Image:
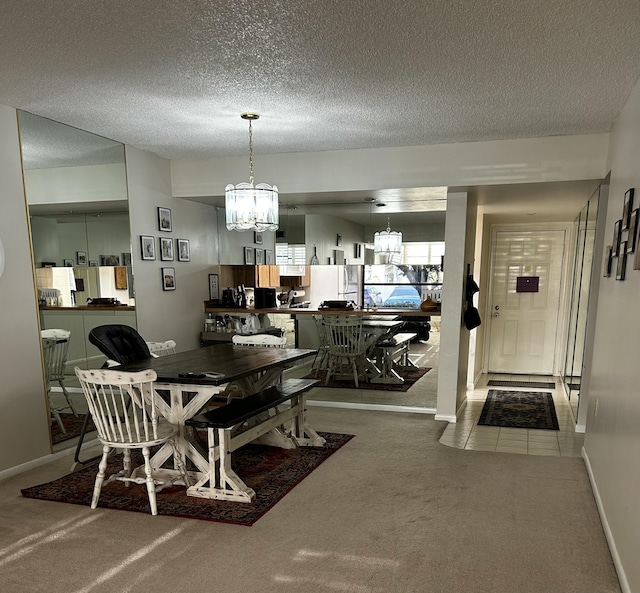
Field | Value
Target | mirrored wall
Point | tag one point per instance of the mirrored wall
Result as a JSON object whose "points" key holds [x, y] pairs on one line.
{"points": [[76, 192], [580, 279]]}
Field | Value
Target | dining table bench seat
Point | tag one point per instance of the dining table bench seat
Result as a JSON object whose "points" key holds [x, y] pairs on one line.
{"points": [[394, 353], [254, 418]]}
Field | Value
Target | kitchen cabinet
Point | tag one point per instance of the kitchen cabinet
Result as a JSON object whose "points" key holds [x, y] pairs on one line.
{"points": [[255, 276], [295, 275]]}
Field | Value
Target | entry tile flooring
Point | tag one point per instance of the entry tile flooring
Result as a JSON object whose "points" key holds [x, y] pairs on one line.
{"points": [[466, 434]]}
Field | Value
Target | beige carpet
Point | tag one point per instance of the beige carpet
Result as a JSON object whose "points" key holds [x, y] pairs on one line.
{"points": [[395, 512]]}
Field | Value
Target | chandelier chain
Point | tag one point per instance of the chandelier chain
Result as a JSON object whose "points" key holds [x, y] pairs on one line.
{"points": [[250, 153]]}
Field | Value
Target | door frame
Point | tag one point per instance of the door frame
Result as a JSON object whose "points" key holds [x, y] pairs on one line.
{"points": [[561, 322]]}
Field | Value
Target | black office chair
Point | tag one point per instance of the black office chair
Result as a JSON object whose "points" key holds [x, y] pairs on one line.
{"points": [[122, 344]]}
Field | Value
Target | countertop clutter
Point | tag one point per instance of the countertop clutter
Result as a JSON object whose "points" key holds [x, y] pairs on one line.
{"points": [[310, 311]]}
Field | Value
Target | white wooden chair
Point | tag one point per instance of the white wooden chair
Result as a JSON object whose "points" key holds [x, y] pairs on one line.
{"points": [[123, 409], [260, 340], [345, 340], [162, 348], [55, 347], [321, 358]]}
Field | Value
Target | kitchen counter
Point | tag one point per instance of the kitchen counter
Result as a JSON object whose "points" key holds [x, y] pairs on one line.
{"points": [[89, 308], [302, 311]]}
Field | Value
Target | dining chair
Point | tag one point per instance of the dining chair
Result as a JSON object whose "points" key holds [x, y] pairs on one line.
{"points": [[345, 340], [321, 358], [120, 343], [123, 408], [55, 347], [161, 348]]}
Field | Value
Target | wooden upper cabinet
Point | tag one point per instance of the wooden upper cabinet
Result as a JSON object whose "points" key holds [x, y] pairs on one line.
{"points": [[267, 276]]}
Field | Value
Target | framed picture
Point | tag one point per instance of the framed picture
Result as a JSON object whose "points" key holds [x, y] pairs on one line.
{"points": [[626, 211], [94, 264], [248, 256], [636, 261], [166, 249], [268, 257], [633, 231], [184, 252], [81, 258], [257, 237], [608, 260], [147, 247], [168, 278], [109, 260], [357, 250], [164, 219], [622, 262], [68, 263], [214, 287], [617, 236], [259, 257], [338, 240], [126, 259]]}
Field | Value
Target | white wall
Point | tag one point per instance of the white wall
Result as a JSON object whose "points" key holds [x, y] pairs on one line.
{"points": [[557, 158], [90, 183], [612, 441], [177, 314], [24, 419], [454, 337], [321, 232]]}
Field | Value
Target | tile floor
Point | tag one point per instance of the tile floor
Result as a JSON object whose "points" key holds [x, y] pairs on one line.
{"points": [[466, 434]]}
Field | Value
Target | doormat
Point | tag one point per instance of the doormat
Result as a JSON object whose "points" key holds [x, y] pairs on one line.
{"points": [[410, 377], [530, 384], [73, 426], [270, 471], [519, 409]]}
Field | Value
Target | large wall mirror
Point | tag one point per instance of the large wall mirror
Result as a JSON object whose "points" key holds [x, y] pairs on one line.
{"points": [[76, 191]]}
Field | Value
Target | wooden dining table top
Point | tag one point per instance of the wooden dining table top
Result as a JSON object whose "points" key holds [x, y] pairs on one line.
{"points": [[229, 361]]}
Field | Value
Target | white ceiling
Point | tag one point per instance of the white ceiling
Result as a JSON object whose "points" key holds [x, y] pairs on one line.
{"points": [[172, 77]]}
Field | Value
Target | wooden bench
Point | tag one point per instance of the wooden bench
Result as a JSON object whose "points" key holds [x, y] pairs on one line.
{"points": [[244, 420], [394, 353]]}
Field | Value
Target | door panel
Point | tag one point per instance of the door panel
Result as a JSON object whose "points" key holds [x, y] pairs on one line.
{"points": [[523, 324]]}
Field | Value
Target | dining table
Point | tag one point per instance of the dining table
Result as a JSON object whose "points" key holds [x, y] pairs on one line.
{"points": [[189, 381], [376, 330]]}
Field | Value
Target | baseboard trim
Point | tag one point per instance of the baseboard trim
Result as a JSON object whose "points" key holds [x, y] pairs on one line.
{"points": [[23, 467], [372, 407], [446, 418], [622, 577]]}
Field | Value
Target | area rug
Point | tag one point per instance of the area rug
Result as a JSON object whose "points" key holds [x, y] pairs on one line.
{"points": [[73, 426], [519, 409], [410, 377], [270, 471], [529, 384]]}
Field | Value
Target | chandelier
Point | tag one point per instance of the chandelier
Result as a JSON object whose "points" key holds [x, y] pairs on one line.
{"points": [[251, 207], [387, 243]]}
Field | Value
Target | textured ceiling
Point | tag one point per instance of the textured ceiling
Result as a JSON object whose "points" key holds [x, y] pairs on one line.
{"points": [[172, 77]]}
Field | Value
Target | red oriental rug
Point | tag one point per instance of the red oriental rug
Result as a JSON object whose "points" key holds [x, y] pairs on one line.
{"points": [[270, 471]]}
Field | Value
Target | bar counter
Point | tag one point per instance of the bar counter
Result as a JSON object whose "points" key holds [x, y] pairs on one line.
{"points": [[302, 311]]}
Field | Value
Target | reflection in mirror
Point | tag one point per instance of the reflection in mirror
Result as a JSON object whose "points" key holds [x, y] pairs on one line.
{"points": [[75, 185], [584, 232]]}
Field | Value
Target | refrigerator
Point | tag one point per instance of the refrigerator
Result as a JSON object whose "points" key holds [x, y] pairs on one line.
{"points": [[335, 283]]}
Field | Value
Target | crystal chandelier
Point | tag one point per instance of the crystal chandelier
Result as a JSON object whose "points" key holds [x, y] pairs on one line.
{"points": [[387, 243], [251, 207]]}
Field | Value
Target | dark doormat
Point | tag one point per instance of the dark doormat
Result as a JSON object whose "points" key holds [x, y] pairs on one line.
{"points": [[529, 384], [519, 409], [270, 471]]}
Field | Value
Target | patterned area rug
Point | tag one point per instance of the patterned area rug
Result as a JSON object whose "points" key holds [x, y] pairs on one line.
{"points": [[270, 471], [410, 377], [530, 384], [72, 425], [519, 409]]}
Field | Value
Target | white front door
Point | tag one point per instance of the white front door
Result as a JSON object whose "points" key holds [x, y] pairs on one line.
{"points": [[524, 313]]}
